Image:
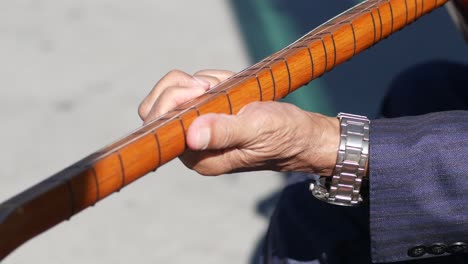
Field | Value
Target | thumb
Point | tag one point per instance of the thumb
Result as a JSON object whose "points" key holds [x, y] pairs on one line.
{"points": [[217, 131]]}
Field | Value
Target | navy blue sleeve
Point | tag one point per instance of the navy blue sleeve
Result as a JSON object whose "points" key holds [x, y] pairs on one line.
{"points": [[418, 186]]}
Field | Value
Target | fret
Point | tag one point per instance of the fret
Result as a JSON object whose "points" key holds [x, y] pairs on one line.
{"points": [[229, 101], [381, 24], [422, 7], [270, 70], [374, 26], [122, 169], [414, 14], [312, 70], [331, 35], [407, 12], [325, 54], [196, 110], [391, 15], [288, 72], [415, 9], [109, 174], [255, 75], [158, 144], [170, 137], [96, 182], [183, 130], [354, 35]]}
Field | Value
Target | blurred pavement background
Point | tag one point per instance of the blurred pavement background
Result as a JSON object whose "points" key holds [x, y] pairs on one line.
{"points": [[72, 74]]}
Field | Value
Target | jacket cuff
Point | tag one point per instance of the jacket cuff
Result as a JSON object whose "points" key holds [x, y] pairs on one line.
{"points": [[418, 186]]}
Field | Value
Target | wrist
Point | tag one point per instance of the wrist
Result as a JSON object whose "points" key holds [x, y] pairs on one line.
{"points": [[344, 188], [324, 146]]}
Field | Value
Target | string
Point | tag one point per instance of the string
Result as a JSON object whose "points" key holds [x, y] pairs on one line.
{"points": [[66, 176], [153, 126], [224, 87], [211, 95]]}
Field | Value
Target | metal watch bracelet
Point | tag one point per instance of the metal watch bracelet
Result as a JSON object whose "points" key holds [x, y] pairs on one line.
{"points": [[344, 186]]}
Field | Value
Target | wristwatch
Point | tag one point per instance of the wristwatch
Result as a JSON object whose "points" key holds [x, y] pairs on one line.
{"points": [[346, 185]]}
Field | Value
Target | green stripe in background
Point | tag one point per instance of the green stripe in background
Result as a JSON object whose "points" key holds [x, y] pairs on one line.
{"points": [[281, 32], [267, 28]]}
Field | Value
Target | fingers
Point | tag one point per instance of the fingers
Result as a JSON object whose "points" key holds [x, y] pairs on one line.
{"points": [[263, 135], [211, 80], [171, 98], [174, 78], [215, 162], [176, 88], [217, 131], [221, 75], [215, 144]]}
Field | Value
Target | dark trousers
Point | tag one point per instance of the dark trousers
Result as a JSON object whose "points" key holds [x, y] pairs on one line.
{"points": [[305, 230]]}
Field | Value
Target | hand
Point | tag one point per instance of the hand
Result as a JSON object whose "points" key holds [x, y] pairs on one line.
{"points": [[262, 136]]}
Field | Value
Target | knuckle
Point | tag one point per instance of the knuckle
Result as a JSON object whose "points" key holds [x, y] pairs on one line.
{"points": [[142, 109], [168, 92], [255, 105], [249, 108], [204, 72], [213, 72], [219, 75], [172, 96], [260, 107], [174, 73]]}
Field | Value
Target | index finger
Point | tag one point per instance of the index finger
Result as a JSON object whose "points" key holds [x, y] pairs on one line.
{"points": [[174, 78]]}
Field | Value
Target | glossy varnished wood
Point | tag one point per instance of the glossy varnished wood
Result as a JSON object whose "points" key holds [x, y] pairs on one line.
{"points": [[102, 173]]}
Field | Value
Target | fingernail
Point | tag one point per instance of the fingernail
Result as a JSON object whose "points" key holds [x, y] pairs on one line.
{"points": [[201, 81], [202, 138]]}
